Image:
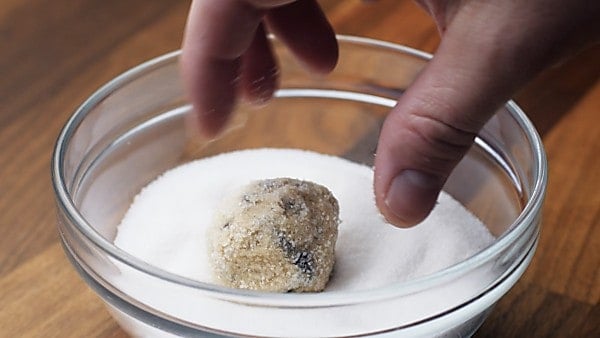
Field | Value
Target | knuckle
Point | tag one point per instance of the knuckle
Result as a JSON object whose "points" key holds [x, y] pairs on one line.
{"points": [[443, 144]]}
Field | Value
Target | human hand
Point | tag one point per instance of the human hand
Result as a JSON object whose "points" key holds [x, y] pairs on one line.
{"points": [[226, 52], [488, 50]]}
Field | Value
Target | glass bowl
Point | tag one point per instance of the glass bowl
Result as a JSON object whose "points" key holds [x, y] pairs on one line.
{"points": [[132, 130]]}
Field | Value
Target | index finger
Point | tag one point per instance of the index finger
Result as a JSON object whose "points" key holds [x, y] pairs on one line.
{"points": [[217, 34]]}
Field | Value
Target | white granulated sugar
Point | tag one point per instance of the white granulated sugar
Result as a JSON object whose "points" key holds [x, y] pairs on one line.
{"points": [[165, 226]]}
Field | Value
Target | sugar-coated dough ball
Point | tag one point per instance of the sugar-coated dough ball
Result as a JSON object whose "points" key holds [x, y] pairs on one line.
{"points": [[278, 235]]}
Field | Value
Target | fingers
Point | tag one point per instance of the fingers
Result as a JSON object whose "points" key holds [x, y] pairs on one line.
{"points": [[225, 52], [217, 34], [259, 69], [303, 27]]}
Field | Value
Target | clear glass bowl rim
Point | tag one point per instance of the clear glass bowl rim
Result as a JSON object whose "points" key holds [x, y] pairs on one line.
{"points": [[66, 204]]}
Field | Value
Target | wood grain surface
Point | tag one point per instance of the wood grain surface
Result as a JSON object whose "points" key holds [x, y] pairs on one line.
{"points": [[55, 53]]}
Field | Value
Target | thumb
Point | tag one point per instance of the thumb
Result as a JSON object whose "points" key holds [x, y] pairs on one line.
{"points": [[436, 120]]}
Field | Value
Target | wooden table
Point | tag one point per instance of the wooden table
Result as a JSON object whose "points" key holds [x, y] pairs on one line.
{"points": [[53, 54]]}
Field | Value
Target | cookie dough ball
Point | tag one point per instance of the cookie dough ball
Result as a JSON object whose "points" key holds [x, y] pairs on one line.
{"points": [[278, 235]]}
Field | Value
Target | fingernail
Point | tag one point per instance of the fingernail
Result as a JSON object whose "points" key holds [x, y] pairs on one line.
{"points": [[411, 196]]}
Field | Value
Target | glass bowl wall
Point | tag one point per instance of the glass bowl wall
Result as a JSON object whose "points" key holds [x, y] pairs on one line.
{"points": [[133, 129]]}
